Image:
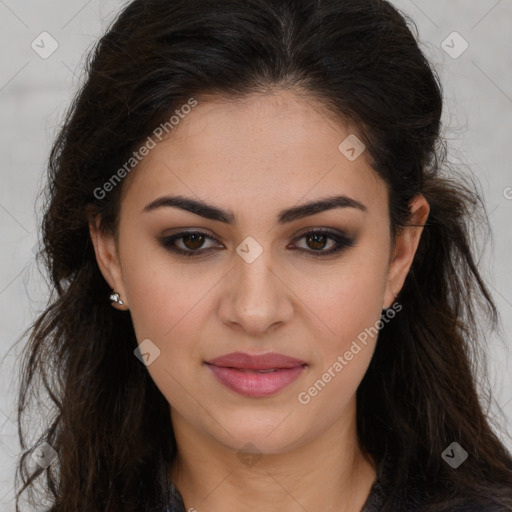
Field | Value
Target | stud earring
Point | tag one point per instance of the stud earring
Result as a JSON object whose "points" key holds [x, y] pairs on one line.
{"points": [[115, 298], [385, 310]]}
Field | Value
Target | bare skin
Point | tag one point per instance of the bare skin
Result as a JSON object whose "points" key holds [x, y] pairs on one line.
{"points": [[255, 158]]}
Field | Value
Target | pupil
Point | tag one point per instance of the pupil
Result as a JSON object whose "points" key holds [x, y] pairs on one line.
{"points": [[197, 241], [317, 241]]}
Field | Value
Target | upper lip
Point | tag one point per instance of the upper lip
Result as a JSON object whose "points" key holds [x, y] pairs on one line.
{"points": [[256, 362]]}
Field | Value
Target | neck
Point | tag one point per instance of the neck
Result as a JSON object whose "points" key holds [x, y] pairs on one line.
{"points": [[328, 473]]}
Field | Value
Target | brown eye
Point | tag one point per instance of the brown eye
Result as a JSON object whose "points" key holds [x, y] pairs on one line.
{"points": [[189, 243], [323, 242], [316, 240], [317, 243], [193, 241]]}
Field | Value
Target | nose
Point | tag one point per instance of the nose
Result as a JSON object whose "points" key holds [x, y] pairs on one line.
{"points": [[256, 299]]}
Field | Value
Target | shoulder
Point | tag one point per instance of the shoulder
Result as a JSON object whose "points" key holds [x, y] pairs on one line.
{"points": [[420, 494], [494, 502], [416, 500], [472, 506], [490, 500]]}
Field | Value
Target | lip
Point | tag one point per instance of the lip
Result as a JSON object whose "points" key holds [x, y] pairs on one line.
{"points": [[238, 371]]}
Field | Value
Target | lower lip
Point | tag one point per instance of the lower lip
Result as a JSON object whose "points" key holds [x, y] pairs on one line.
{"points": [[256, 384]]}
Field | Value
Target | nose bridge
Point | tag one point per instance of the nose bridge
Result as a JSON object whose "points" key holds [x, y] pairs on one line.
{"points": [[257, 299], [253, 276]]}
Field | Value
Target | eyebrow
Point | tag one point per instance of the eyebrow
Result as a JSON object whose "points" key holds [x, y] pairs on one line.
{"points": [[228, 217]]}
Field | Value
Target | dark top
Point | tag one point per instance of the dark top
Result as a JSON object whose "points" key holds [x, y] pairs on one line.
{"points": [[412, 497]]}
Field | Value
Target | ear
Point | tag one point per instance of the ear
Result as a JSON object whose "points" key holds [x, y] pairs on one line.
{"points": [[404, 249], [105, 248]]}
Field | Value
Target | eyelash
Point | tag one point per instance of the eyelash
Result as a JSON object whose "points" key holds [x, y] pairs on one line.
{"points": [[342, 242]]}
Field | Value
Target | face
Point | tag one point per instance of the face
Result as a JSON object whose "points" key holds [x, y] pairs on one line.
{"points": [[256, 272]]}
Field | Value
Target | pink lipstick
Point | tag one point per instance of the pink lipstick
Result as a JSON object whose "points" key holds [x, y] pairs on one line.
{"points": [[256, 375]]}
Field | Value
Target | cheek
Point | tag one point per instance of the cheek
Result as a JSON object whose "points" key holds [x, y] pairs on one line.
{"points": [[167, 307], [163, 295], [169, 303], [349, 308], [345, 299]]}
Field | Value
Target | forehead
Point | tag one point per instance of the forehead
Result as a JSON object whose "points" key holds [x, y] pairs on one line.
{"points": [[274, 148]]}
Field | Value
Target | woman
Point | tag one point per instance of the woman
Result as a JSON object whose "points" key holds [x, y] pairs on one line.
{"points": [[259, 189]]}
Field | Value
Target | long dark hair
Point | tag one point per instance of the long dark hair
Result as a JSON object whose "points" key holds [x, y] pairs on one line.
{"points": [[111, 425]]}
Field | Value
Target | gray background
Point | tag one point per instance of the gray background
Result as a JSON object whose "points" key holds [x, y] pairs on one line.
{"points": [[34, 93]]}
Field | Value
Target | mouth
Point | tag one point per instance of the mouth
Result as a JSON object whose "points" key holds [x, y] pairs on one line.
{"points": [[245, 370], [256, 376]]}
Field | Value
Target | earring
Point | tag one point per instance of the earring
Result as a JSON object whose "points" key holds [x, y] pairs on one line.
{"points": [[115, 298], [385, 310]]}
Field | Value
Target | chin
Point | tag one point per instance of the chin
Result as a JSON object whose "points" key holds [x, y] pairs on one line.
{"points": [[268, 437]]}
